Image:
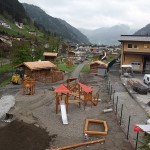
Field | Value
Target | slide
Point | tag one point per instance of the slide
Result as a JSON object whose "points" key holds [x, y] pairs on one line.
{"points": [[63, 113], [104, 56]]}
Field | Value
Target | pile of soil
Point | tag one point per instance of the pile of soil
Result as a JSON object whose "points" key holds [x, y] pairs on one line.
{"points": [[21, 136]]}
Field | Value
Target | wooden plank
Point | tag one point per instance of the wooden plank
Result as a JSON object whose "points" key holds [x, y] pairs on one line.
{"points": [[73, 101]]}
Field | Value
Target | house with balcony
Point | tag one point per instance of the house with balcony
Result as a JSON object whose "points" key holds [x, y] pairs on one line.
{"points": [[135, 50]]}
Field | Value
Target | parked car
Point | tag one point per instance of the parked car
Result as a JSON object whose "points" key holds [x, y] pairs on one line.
{"points": [[146, 79]]}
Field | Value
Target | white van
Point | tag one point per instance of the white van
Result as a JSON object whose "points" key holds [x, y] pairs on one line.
{"points": [[146, 78]]}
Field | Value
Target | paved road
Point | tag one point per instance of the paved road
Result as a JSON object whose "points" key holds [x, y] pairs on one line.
{"points": [[130, 106], [76, 72]]}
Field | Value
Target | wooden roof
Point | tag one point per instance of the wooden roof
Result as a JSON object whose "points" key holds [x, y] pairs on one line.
{"points": [[50, 54], [38, 65], [61, 89], [85, 88], [98, 62]]}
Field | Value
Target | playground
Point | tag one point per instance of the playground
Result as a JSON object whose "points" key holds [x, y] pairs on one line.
{"points": [[39, 110]]}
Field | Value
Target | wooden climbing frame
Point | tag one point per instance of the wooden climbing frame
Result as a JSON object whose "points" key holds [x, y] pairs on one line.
{"points": [[72, 84], [28, 87]]}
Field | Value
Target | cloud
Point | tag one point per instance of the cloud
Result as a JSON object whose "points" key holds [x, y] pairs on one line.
{"points": [[97, 13]]}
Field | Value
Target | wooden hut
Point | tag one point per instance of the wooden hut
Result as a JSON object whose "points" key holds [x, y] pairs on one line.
{"points": [[43, 71], [48, 56], [71, 54], [96, 65]]}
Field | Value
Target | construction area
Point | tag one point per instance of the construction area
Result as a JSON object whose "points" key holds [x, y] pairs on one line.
{"points": [[72, 113]]}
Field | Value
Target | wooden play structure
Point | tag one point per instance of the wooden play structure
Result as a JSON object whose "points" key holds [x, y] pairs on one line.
{"points": [[28, 87], [63, 94], [69, 62], [72, 84], [86, 95], [75, 93], [86, 127]]}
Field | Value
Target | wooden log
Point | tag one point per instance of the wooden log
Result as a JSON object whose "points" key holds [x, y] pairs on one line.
{"points": [[80, 144], [105, 126], [95, 121], [86, 125], [95, 132]]}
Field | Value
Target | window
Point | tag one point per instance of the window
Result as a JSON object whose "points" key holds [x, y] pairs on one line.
{"points": [[146, 46], [136, 65], [129, 45], [132, 46]]}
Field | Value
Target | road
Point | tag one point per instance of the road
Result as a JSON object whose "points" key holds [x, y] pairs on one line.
{"points": [[130, 106]]}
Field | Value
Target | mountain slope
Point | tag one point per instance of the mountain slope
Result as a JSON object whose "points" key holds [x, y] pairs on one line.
{"points": [[107, 35], [143, 31], [54, 24], [14, 9]]}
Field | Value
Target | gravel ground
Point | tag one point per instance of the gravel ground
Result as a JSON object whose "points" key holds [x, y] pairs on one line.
{"points": [[39, 110]]}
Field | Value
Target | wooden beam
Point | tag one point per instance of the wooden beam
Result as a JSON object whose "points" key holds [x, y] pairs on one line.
{"points": [[79, 144]]}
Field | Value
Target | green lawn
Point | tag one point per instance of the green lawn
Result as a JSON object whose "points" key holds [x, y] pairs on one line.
{"points": [[5, 82], [64, 67], [4, 68], [86, 68]]}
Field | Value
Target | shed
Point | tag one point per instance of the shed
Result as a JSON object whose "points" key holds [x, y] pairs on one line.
{"points": [[71, 54], [96, 65], [43, 71], [50, 56]]}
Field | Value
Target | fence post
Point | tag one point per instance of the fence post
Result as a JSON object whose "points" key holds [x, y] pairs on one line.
{"points": [[113, 97], [110, 89], [128, 127], [117, 105], [137, 136], [108, 86], [121, 114]]}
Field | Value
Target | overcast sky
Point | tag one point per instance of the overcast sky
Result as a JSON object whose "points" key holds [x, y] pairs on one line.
{"points": [[92, 14]]}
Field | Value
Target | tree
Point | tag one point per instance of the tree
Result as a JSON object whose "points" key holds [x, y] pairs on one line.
{"points": [[21, 52]]}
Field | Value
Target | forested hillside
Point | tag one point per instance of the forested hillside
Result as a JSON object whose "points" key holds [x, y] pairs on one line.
{"points": [[143, 31], [52, 24], [14, 9]]}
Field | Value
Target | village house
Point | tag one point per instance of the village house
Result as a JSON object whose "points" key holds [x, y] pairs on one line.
{"points": [[98, 67], [4, 24], [49, 56], [71, 54], [19, 25], [43, 71], [6, 39], [32, 32], [136, 52]]}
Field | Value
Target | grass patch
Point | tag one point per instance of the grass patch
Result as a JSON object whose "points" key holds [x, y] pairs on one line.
{"points": [[5, 82], [5, 67], [86, 68], [64, 67]]}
